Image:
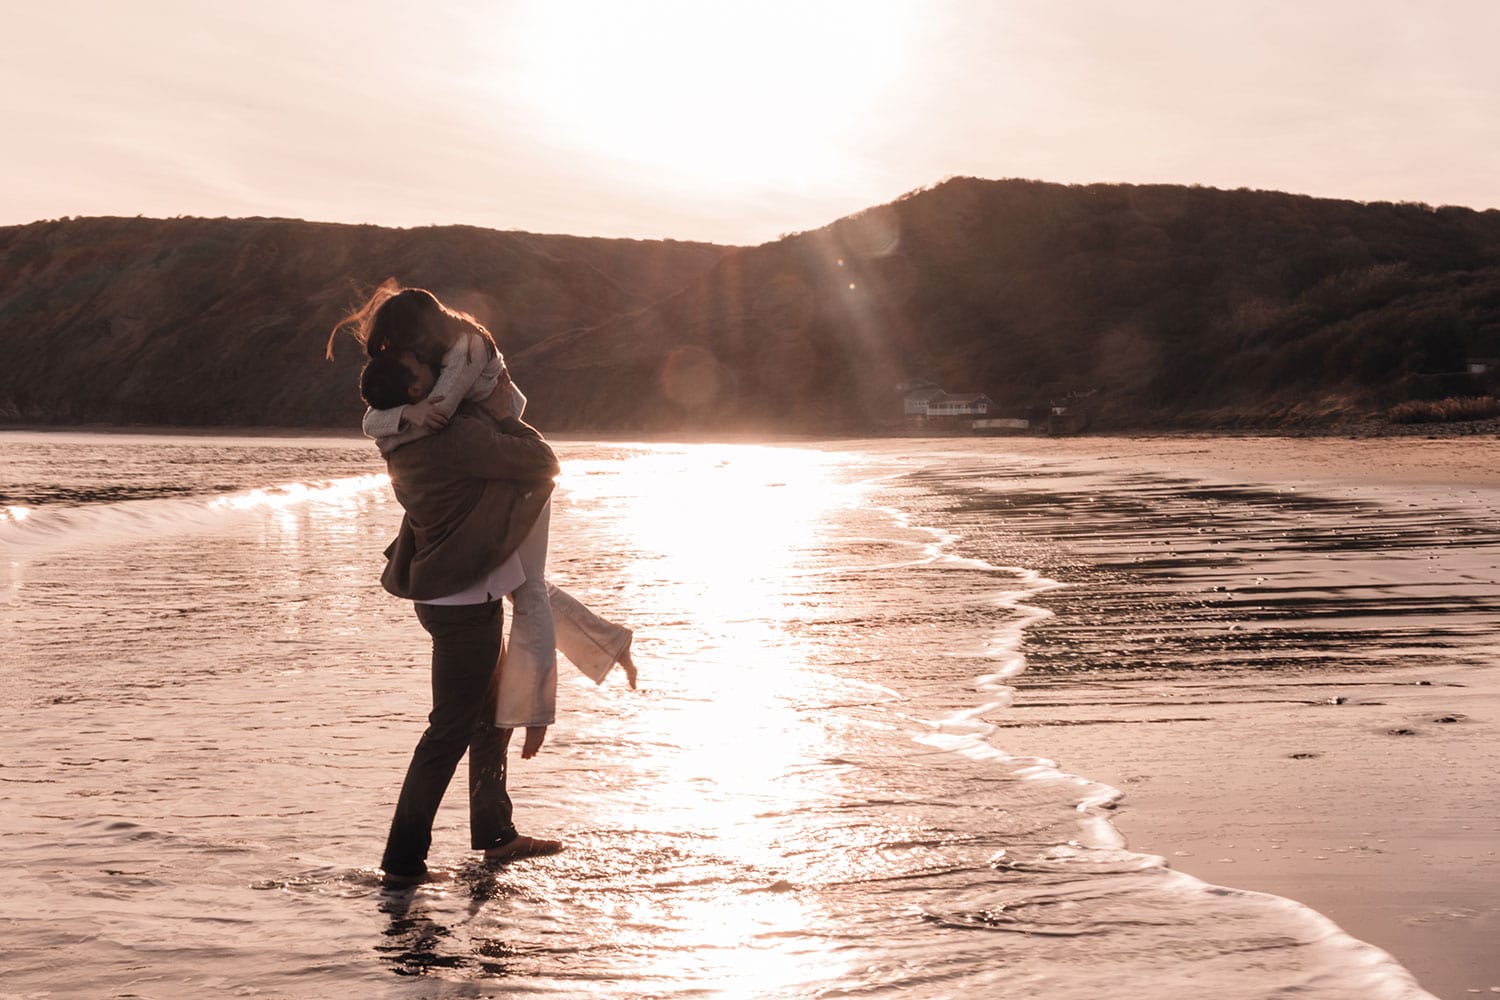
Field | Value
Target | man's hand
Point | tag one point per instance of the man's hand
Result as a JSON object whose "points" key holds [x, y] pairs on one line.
{"points": [[501, 403], [535, 736], [425, 415], [627, 662]]}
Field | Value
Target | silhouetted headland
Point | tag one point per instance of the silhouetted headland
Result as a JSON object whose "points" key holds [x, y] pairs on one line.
{"points": [[1126, 307]]}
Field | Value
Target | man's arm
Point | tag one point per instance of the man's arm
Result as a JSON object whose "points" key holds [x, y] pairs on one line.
{"points": [[514, 451], [505, 401]]}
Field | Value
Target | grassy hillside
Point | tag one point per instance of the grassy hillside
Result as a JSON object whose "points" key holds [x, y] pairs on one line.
{"points": [[1171, 306], [1175, 306], [223, 321]]}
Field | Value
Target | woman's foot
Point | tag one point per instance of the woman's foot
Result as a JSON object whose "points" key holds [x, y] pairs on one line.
{"points": [[628, 664], [522, 847]]}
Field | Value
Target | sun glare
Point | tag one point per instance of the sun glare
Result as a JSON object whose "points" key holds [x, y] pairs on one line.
{"points": [[724, 94], [719, 541]]}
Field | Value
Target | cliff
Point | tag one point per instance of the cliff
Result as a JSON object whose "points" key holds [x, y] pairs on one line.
{"points": [[224, 321], [1171, 306]]}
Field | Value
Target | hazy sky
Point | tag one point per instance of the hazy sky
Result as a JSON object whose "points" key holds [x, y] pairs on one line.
{"points": [[731, 122]]}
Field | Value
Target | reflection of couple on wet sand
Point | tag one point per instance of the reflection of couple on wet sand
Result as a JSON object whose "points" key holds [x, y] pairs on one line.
{"points": [[475, 482]]}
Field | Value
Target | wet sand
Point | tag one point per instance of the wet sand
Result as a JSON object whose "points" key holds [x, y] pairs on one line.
{"points": [[1439, 460], [1373, 797], [1274, 758], [198, 781]]}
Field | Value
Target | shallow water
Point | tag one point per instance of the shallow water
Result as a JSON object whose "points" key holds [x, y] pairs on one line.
{"points": [[210, 703]]}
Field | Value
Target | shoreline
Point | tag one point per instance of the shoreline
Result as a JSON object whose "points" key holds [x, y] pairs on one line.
{"points": [[1302, 788], [1024, 442], [1337, 789], [1332, 462], [1369, 795]]}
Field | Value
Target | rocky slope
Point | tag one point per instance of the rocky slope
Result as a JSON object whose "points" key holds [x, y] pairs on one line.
{"points": [[1161, 306]]}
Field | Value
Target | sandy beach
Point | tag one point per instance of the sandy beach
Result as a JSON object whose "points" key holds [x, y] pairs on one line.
{"points": [[1278, 651], [1371, 797]]}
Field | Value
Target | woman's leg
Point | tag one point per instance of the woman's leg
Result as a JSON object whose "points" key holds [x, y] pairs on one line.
{"points": [[593, 644], [528, 667]]}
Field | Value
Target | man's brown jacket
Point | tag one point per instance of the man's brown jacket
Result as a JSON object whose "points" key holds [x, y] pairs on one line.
{"points": [[471, 492]]}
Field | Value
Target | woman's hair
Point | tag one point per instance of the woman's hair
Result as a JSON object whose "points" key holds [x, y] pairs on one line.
{"points": [[396, 319]]}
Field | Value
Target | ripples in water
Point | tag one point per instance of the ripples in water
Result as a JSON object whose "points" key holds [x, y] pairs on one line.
{"points": [[210, 704]]}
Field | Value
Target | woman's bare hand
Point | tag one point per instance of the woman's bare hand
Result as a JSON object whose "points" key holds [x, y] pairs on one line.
{"points": [[425, 415]]}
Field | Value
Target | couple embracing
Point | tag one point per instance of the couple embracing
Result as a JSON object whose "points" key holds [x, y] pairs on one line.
{"points": [[475, 482]]}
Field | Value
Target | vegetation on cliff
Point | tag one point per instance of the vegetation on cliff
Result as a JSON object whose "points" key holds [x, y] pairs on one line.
{"points": [[224, 321], [1178, 306]]}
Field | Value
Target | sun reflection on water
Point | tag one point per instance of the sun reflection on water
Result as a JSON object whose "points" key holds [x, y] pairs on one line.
{"points": [[715, 544]]}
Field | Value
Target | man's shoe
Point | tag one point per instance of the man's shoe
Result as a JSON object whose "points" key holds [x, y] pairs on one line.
{"points": [[522, 847]]}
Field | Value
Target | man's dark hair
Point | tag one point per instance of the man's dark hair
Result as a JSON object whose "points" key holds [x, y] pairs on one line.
{"points": [[384, 381]]}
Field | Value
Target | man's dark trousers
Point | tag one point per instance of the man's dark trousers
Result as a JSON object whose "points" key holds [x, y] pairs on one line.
{"points": [[465, 648]]}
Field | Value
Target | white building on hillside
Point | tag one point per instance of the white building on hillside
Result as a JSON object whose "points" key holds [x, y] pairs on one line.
{"points": [[924, 399], [915, 402], [973, 405]]}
